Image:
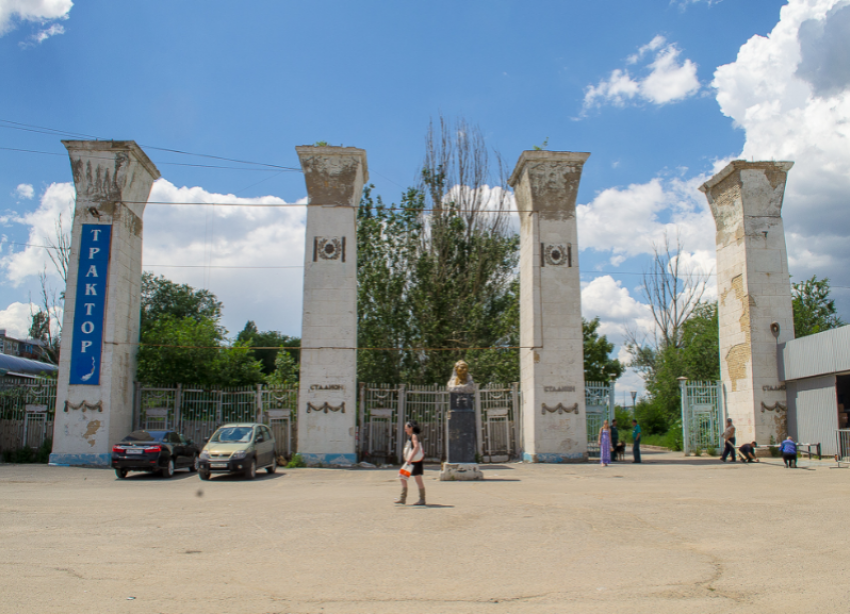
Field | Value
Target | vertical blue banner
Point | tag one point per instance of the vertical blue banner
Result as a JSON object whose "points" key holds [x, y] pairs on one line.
{"points": [[90, 304]]}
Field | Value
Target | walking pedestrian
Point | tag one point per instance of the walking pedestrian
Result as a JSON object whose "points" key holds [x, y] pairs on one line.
{"points": [[604, 441], [615, 439], [636, 441], [728, 441], [414, 464], [789, 452]]}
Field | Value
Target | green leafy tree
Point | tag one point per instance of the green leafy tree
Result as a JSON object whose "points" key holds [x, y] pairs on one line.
{"points": [[814, 310], [162, 297], [436, 272], [598, 364], [269, 340], [183, 340], [190, 351], [285, 373], [696, 357]]}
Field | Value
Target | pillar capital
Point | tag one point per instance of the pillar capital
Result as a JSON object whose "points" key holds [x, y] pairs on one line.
{"points": [[756, 188], [334, 175], [546, 182], [111, 171]]}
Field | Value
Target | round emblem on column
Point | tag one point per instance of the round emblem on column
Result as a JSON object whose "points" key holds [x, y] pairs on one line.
{"points": [[329, 248], [555, 255]]}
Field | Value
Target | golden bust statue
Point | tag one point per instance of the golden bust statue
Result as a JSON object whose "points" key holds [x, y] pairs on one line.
{"points": [[461, 380]]}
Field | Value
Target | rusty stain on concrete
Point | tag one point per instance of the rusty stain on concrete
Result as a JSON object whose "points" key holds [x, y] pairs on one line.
{"points": [[91, 431]]}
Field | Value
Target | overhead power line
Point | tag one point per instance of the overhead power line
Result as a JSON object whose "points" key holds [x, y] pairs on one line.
{"points": [[12, 125]]}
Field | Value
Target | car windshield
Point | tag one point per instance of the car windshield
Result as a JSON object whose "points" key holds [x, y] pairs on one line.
{"points": [[233, 434], [146, 436]]}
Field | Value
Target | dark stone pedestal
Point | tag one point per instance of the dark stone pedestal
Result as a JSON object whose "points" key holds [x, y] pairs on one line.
{"points": [[461, 446]]}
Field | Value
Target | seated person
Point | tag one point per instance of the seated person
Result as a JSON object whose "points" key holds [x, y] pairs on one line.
{"points": [[789, 452], [747, 452]]}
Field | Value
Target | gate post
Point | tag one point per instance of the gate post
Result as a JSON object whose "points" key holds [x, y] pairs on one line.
{"points": [[327, 408], [755, 307], [611, 410], [97, 365], [362, 426], [551, 356], [137, 405], [683, 394], [401, 414], [479, 435], [517, 421], [178, 412]]}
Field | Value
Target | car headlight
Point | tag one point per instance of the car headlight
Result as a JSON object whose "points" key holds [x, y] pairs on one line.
{"points": [[205, 455], [238, 454]]}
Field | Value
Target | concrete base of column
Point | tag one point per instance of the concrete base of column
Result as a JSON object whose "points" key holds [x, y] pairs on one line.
{"points": [[329, 459], [460, 472], [580, 457], [81, 460]]}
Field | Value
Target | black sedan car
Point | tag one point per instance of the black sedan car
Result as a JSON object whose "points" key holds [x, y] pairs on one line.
{"points": [[155, 452]]}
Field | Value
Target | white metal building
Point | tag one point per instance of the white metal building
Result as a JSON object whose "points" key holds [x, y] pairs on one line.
{"points": [[816, 372]]}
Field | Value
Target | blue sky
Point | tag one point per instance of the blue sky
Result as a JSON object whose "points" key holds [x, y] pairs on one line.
{"points": [[661, 93]]}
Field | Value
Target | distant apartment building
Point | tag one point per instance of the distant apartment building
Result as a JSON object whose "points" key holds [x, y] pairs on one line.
{"points": [[22, 348]]}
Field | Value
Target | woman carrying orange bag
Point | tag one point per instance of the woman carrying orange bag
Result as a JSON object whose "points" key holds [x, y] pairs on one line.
{"points": [[413, 464]]}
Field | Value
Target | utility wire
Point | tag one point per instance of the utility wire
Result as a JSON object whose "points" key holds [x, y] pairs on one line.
{"points": [[12, 125]]}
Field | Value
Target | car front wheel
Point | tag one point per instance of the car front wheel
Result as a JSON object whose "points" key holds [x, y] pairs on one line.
{"points": [[168, 470], [196, 463], [204, 474], [251, 470], [121, 473]]}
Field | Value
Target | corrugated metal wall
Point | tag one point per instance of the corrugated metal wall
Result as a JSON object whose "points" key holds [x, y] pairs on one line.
{"points": [[815, 412], [820, 354]]}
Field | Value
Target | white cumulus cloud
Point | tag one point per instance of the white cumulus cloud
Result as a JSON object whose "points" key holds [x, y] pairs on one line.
{"points": [[790, 92], [664, 79], [16, 319], [56, 204], [24, 190], [39, 11], [205, 242]]}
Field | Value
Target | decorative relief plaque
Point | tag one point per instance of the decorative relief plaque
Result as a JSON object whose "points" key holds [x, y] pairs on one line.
{"points": [[328, 248], [560, 409], [556, 254]]}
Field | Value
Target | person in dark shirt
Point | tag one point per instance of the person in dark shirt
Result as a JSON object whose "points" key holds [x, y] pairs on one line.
{"points": [[636, 441], [615, 439], [748, 452]]}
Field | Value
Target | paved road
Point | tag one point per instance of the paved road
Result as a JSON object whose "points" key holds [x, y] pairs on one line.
{"points": [[671, 535]]}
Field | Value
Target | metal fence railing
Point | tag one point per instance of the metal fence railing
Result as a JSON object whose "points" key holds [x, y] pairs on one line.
{"points": [[842, 444], [27, 411], [196, 412]]}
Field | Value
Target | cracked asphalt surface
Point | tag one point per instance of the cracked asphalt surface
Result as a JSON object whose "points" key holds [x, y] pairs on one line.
{"points": [[671, 535]]}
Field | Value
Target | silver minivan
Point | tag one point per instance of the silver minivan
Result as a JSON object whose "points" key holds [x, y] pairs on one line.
{"points": [[243, 447]]}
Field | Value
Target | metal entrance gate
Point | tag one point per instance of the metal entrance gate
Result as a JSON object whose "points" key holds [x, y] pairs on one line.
{"points": [[598, 407], [197, 412], [380, 426], [385, 408], [27, 410], [702, 415]]}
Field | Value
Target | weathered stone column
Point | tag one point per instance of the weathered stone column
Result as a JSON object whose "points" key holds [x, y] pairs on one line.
{"points": [[328, 387], [754, 292], [100, 331], [552, 354]]}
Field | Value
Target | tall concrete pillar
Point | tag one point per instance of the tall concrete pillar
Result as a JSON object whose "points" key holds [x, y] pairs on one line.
{"points": [[754, 292], [552, 356], [100, 331], [328, 387]]}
